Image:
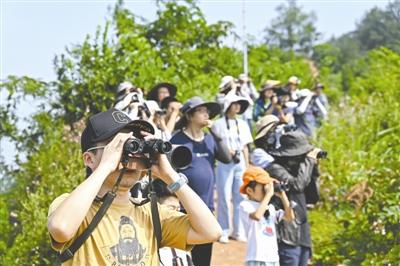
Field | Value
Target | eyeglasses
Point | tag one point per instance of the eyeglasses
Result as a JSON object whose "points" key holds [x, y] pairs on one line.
{"points": [[95, 148]]}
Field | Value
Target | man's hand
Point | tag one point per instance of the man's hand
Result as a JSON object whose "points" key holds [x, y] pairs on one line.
{"points": [[112, 152]]}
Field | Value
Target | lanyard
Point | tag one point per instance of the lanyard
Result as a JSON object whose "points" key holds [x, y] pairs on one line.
{"points": [[238, 142]]}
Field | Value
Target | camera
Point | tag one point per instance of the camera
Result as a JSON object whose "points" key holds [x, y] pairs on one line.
{"points": [[161, 112], [322, 155], [274, 137], [278, 187], [236, 157], [136, 98]]}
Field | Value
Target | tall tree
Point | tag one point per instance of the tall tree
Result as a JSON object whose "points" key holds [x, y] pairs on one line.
{"points": [[380, 28], [293, 29]]}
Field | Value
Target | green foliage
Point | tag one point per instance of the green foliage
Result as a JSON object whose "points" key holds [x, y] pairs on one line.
{"points": [[362, 135], [293, 29], [362, 138], [190, 55], [47, 173]]}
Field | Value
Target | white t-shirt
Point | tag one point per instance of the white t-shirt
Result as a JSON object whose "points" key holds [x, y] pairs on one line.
{"points": [[230, 136], [262, 242]]}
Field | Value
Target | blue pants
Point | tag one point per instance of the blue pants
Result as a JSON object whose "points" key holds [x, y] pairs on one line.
{"points": [[293, 255], [229, 180]]}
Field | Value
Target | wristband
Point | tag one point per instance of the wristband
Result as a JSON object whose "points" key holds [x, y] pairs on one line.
{"points": [[178, 183]]}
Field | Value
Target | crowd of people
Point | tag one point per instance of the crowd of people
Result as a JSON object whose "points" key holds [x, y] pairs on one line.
{"points": [[255, 157]]}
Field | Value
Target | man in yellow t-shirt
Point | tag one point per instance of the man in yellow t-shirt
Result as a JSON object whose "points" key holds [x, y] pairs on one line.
{"points": [[124, 236]]}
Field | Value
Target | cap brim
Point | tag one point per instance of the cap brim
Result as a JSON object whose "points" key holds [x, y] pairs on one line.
{"points": [[243, 188], [136, 126]]}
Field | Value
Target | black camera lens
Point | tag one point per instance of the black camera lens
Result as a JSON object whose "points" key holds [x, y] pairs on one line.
{"points": [[281, 187], [133, 146], [322, 155], [164, 147]]}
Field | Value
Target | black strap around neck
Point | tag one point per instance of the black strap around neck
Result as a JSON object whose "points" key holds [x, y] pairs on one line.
{"points": [[107, 200]]}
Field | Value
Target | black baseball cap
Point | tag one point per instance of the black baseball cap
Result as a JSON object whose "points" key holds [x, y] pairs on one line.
{"points": [[106, 124]]}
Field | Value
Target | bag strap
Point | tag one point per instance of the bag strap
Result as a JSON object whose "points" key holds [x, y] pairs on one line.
{"points": [[108, 199]]}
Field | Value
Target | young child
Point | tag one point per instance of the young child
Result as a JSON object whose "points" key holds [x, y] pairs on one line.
{"points": [[259, 217]]}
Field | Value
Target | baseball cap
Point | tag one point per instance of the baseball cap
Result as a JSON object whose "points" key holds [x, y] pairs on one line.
{"points": [[106, 124], [123, 86], [254, 173], [294, 80]]}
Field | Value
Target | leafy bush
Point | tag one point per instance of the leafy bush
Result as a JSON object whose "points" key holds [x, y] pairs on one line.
{"points": [[363, 141]]}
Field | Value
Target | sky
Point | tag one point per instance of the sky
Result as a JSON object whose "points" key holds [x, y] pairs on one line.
{"points": [[32, 32]]}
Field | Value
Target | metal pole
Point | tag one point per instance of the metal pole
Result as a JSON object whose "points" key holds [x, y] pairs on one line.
{"points": [[244, 39]]}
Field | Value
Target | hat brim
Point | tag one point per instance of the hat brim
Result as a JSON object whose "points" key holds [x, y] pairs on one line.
{"points": [[152, 95], [291, 152], [135, 126], [213, 108], [264, 132], [243, 105], [243, 188], [259, 180]]}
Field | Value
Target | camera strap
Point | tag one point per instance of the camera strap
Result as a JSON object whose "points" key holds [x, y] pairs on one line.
{"points": [[155, 216], [107, 200], [229, 132]]}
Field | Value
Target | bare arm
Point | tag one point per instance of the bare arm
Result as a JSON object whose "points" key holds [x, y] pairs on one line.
{"points": [[246, 155], [64, 222], [204, 228], [259, 213], [289, 213], [174, 116]]}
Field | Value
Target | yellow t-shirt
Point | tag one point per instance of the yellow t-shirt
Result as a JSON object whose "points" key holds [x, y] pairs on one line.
{"points": [[125, 236]]}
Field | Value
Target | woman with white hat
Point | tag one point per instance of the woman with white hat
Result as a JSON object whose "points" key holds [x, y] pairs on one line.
{"points": [[236, 134]]}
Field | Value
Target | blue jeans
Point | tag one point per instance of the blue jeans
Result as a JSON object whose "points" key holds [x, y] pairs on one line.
{"points": [[293, 255], [229, 180]]}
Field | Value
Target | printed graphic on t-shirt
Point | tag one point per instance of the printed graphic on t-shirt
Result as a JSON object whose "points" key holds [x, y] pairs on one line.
{"points": [[268, 230], [128, 251], [198, 154]]}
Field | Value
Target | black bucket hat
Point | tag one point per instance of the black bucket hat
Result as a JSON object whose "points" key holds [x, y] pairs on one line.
{"points": [[293, 143], [153, 93], [105, 125], [194, 102]]}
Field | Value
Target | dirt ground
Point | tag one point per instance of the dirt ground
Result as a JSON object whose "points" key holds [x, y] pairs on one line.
{"points": [[231, 254]]}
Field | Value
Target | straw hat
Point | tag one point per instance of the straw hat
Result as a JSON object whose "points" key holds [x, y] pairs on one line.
{"points": [[265, 124]]}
